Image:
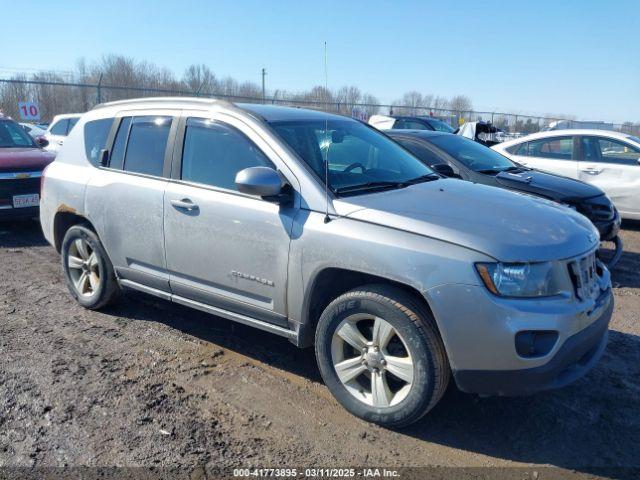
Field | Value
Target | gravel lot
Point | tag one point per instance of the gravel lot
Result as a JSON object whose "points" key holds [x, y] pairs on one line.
{"points": [[149, 383]]}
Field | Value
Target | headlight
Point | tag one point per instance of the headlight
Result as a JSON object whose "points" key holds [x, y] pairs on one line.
{"points": [[520, 279]]}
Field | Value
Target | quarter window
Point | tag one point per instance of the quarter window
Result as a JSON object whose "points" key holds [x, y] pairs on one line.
{"points": [[214, 153], [607, 150], [147, 145], [95, 138], [557, 148]]}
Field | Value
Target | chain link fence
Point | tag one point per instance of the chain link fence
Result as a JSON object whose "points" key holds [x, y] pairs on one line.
{"points": [[55, 97]]}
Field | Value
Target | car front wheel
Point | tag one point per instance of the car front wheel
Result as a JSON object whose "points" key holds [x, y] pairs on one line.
{"points": [[380, 354]]}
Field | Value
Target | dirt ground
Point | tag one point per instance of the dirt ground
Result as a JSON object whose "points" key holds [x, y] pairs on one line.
{"points": [[149, 383]]}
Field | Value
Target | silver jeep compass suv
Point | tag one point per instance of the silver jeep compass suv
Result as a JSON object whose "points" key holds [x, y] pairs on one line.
{"points": [[401, 278]]}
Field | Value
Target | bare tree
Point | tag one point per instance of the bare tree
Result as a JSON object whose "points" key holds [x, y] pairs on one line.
{"points": [[411, 103], [199, 79], [370, 105], [460, 103], [439, 103]]}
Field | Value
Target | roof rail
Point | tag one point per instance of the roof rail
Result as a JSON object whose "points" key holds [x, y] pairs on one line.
{"points": [[145, 100]]}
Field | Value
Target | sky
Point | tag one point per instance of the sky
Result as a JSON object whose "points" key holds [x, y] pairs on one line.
{"points": [[570, 57]]}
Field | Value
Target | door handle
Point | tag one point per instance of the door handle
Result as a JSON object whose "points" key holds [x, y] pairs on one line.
{"points": [[184, 204], [592, 170]]}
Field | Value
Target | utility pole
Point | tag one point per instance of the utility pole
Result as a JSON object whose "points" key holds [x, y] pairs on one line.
{"points": [[99, 88], [264, 74]]}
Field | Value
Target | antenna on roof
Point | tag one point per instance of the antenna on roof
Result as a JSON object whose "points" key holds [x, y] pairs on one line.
{"points": [[327, 219]]}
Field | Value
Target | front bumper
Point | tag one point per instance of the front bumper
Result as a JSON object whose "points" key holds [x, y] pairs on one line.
{"points": [[12, 184], [19, 213], [479, 331], [577, 355]]}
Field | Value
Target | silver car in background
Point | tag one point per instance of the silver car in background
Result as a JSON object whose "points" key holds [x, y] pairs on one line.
{"points": [[400, 278]]}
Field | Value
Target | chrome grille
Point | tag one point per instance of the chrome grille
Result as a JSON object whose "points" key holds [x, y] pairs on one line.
{"points": [[584, 274]]}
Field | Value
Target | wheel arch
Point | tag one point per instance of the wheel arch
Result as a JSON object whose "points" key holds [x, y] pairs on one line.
{"points": [[62, 222], [330, 283]]}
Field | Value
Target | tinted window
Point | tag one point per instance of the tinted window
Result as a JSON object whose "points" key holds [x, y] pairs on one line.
{"points": [[558, 148], [415, 125], [120, 144], [425, 154], [147, 144], [440, 126], [606, 150], [473, 155], [518, 149], [95, 138], [60, 127], [72, 123], [356, 154], [13, 135], [214, 153]]}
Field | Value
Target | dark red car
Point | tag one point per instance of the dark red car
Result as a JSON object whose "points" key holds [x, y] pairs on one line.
{"points": [[22, 161]]}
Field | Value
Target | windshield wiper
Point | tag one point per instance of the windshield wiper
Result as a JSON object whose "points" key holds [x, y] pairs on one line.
{"points": [[429, 177], [369, 186], [382, 184], [499, 170]]}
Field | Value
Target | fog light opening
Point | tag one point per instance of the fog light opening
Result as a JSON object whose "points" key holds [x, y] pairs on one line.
{"points": [[535, 343]]}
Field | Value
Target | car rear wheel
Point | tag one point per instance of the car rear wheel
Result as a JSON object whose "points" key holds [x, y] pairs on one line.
{"points": [[88, 271], [381, 356]]}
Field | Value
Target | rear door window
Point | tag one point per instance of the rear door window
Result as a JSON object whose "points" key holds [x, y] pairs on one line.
{"points": [[120, 144], [146, 146], [60, 127], [557, 148]]}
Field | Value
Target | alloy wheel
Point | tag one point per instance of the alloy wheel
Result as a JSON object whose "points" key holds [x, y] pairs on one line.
{"points": [[372, 360], [84, 267]]}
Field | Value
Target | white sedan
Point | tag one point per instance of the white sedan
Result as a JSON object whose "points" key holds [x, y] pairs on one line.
{"points": [[610, 160], [33, 130]]}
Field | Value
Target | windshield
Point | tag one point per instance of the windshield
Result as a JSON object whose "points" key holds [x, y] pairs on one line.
{"points": [[13, 135], [440, 126], [473, 155], [359, 158]]}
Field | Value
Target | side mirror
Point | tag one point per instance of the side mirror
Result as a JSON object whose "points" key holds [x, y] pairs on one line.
{"points": [[263, 182], [444, 169], [41, 141]]}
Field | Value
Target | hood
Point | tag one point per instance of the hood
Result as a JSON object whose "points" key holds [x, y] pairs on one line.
{"points": [[505, 225], [551, 186], [24, 159]]}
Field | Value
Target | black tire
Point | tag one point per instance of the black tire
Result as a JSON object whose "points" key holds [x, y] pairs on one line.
{"points": [[108, 288], [415, 325]]}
